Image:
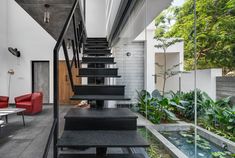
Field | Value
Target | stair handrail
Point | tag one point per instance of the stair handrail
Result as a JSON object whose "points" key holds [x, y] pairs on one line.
{"points": [[47, 147], [61, 42]]}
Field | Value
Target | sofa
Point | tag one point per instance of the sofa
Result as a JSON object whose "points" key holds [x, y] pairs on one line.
{"points": [[31, 102], [4, 101]]}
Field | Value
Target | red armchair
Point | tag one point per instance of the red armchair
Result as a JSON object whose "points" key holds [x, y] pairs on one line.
{"points": [[4, 101], [31, 102]]}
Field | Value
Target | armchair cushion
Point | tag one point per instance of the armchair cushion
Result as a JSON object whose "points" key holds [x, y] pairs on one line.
{"points": [[23, 98]]}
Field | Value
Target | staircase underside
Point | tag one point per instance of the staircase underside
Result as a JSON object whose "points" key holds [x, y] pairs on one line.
{"points": [[59, 10]]}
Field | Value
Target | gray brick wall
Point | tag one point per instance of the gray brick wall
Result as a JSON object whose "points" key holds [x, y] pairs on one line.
{"points": [[130, 68]]}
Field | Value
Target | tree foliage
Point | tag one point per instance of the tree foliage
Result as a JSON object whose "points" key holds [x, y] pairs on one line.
{"points": [[215, 32]]}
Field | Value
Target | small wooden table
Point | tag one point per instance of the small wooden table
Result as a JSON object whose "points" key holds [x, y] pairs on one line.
{"points": [[4, 112]]}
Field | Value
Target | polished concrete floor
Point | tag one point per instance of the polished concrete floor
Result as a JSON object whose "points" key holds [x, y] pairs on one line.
{"points": [[17, 141]]}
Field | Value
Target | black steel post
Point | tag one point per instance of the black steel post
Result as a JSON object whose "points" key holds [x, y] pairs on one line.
{"points": [[74, 55], [56, 102], [68, 64]]}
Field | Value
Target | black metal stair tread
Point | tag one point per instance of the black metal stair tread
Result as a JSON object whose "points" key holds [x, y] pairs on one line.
{"points": [[106, 156], [93, 42], [97, 54], [105, 76], [100, 68], [99, 85], [93, 49], [99, 97], [101, 138], [96, 38], [106, 113], [96, 62], [96, 47], [98, 57]]}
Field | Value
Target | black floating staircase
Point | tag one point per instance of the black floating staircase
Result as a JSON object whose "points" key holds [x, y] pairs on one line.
{"points": [[100, 127], [97, 127]]}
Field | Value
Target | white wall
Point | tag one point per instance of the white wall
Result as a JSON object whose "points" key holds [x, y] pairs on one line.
{"points": [[172, 82], [95, 18], [34, 43], [206, 81], [150, 51], [3, 48]]}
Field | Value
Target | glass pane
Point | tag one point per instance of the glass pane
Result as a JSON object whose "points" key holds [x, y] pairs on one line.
{"points": [[215, 76]]}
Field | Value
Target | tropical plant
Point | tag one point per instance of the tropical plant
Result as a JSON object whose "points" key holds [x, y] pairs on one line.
{"points": [[156, 107], [189, 105], [221, 115]]}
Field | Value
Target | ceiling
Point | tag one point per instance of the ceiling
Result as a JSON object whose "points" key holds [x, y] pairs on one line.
{"points": [[59, 11]]}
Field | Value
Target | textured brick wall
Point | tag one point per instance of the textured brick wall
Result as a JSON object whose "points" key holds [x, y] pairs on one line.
{"points": [[130, 68]]}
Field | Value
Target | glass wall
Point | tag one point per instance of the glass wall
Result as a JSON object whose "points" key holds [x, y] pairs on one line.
{"points": [[177, 61]]}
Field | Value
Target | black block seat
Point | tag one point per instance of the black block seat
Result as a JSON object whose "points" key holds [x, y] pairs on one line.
{"points": [[100, 97], [105, 156], [105, 119], [93, 89], [108, 113]]}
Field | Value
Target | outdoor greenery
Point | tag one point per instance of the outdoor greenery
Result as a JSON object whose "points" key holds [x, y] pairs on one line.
{"points": [[215, 32], [165, 72], [217, 116], [156, 107]]}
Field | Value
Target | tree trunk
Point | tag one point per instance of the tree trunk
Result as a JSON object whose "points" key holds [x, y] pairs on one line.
{"points": [[164, 77]]}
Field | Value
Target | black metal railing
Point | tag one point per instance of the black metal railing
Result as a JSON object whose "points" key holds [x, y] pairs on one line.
{"points": [[79, 32], [46, 150]]}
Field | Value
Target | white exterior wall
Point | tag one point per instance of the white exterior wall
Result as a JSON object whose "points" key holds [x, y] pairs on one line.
{"points": [[150, 52], [95, 18], [205, 79], [171, 83]]}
